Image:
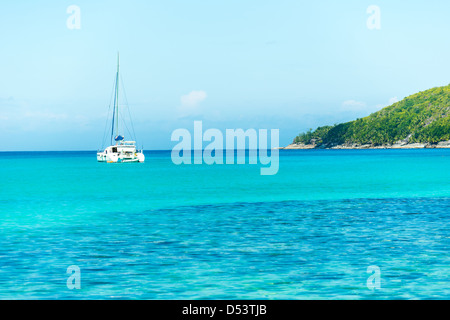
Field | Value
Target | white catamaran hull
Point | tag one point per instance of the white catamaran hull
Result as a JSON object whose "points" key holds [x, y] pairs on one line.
{"points": [[119, 157]]}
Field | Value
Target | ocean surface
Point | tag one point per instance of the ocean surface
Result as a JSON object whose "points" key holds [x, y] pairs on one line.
{"points": [[160, 231]]}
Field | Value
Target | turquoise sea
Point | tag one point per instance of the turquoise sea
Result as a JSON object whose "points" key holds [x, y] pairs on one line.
{"points": [[160, 231]]}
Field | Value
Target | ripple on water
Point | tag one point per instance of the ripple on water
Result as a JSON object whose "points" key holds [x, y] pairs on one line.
{"points": [[268, 250]]}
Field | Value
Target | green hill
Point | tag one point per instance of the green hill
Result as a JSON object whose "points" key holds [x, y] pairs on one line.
{"points": [[423, 117]]}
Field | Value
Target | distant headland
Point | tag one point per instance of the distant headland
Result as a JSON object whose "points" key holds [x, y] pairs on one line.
{"points": [[421, 120]]}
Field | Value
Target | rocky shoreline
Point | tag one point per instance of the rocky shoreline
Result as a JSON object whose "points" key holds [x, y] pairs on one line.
{"points": [[400, 145]]}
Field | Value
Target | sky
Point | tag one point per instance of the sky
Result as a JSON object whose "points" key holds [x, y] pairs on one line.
{"points": [[287, 65]]}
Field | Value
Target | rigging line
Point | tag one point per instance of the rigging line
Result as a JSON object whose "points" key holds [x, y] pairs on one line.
{"points": [[114, 111], [125, 124], [109, 109], [128, 107], [107, 117], [129, 112]]}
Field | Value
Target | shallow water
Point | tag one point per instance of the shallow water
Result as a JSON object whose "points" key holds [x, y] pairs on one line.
{"points": [[160, 231]]}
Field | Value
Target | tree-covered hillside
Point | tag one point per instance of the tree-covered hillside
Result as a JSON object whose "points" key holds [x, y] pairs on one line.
{"points": [[423, 117]]}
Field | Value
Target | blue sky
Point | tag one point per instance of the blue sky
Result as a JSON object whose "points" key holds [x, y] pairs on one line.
{"points": [[288, 65]]}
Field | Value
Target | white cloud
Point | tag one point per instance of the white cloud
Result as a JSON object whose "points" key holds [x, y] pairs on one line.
{"points": [[193, 98], [190, 103], [392, 101], [18, 116], [45, 115], [360, 106], [353, 105]]}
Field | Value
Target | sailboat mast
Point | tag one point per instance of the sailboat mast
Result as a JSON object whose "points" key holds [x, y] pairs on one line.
{"points": [[117, 97]]}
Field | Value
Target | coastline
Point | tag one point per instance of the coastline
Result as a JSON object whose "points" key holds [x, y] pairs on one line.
{"points": [[440, 145]]}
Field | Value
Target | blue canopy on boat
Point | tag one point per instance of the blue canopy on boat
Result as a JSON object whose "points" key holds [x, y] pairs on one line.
{"points": [[119, 138]]}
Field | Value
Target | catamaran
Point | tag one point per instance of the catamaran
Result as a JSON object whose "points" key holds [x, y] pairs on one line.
{"points": [[122, 150]]}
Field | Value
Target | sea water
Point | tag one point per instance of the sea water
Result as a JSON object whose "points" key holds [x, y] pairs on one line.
{"points": [[156, 230]]}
